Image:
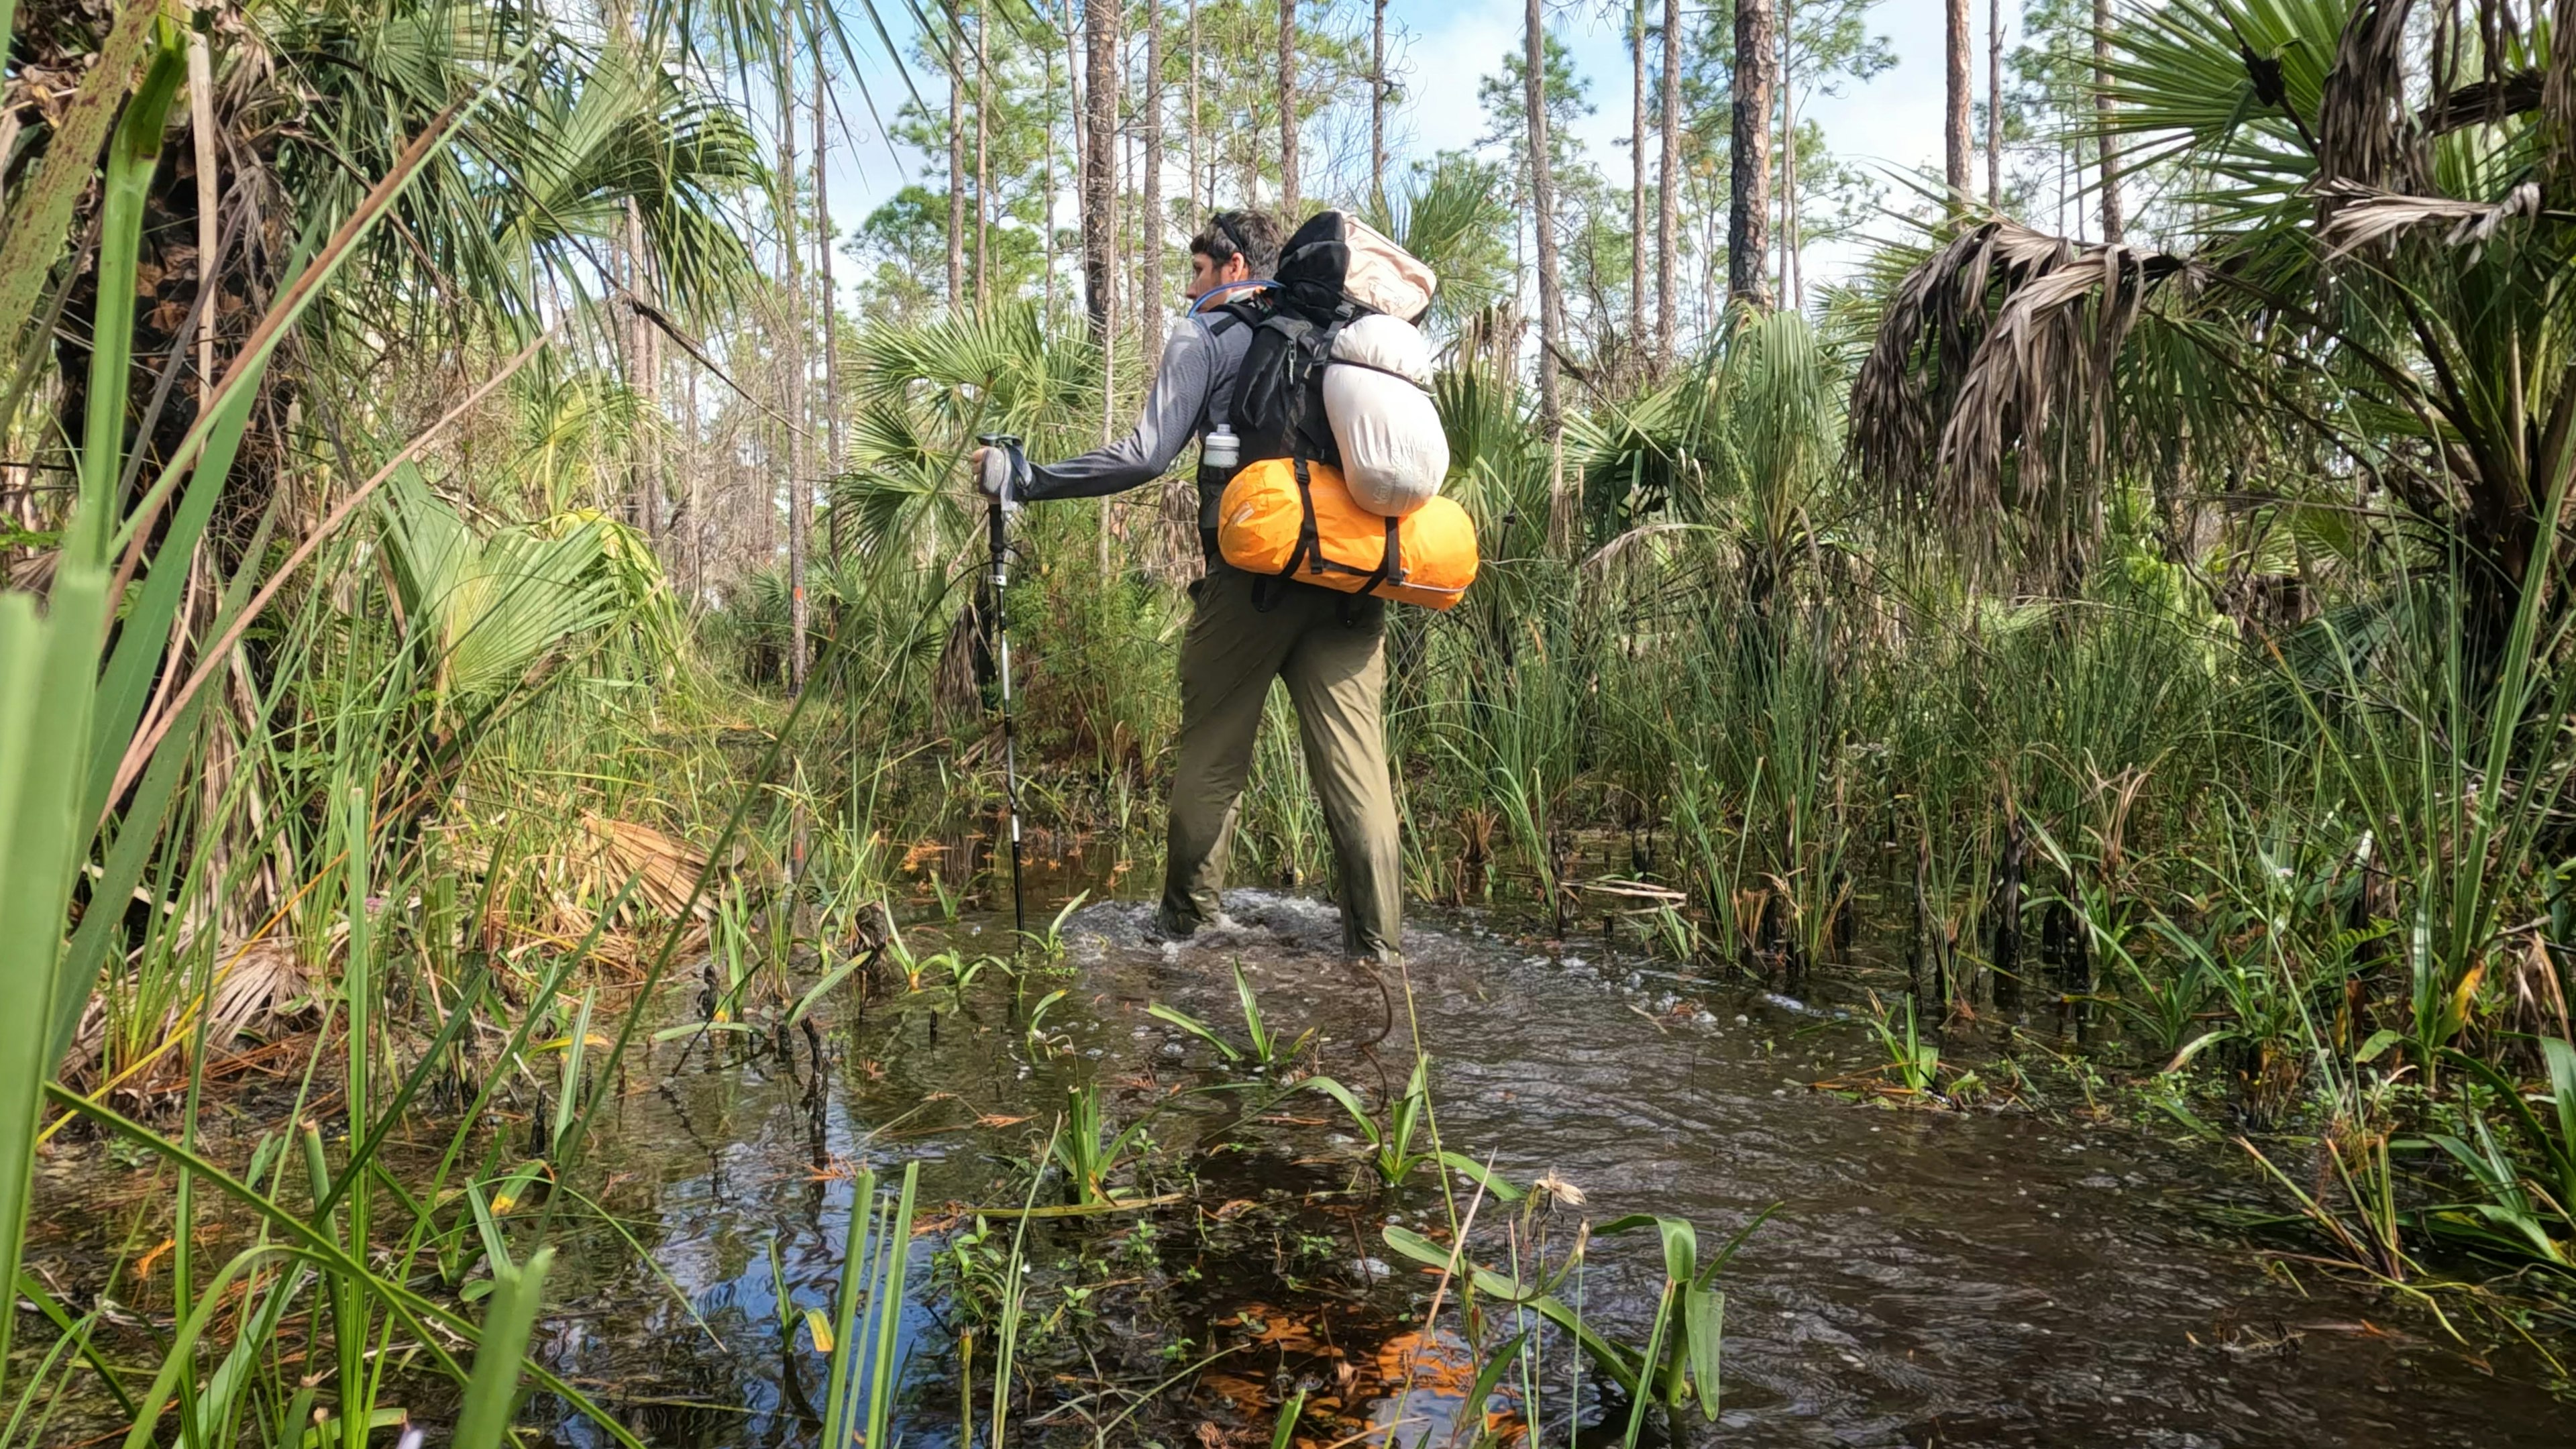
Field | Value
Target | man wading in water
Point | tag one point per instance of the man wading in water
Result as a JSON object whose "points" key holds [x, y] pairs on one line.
{"points": [[1329, 647]]}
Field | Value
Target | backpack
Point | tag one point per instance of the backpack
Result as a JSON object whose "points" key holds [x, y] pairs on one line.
{"points": [[1334, 273]]}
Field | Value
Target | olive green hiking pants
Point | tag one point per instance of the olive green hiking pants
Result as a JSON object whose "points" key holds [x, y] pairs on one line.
{"points": [[1336, 676]]}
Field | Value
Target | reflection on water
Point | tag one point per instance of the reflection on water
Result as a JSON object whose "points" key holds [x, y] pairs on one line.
{"points": [[1931, 1278]]}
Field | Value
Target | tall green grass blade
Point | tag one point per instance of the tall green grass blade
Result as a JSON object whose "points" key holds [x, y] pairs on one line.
{"points": [[143, 632], [131, 157], [416, 1312], [897, 1250], [138, 829], [47, 669], [491, 1395], [844, 1358], [179, 1360]]}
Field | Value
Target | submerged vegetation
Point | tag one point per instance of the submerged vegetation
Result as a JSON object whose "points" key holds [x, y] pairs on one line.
{"points": [[490, 627]]}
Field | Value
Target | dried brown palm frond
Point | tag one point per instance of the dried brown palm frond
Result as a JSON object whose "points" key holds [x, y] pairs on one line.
{"points": [[665, 868], [2359, 215], [2482, 102], [2366, 132], [1932, 326], [1990, 390], [254, 987], [2558, 105], [1176, 556], [956, 683], [260, 988]]}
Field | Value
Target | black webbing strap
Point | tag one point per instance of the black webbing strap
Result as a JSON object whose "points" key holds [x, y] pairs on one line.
{"points": [[1310, 543], [1390, 562]]}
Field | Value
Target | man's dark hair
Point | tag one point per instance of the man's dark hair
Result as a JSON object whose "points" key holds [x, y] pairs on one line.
{"points": [[1250, 234]]}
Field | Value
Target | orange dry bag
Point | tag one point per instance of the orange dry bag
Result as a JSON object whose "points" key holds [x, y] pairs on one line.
{"points": [[1295, 519]]}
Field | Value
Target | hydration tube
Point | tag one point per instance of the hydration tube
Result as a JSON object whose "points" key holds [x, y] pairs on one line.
{"points": [[1224, 293]]}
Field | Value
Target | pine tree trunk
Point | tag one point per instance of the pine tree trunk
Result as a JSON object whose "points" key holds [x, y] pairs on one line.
{"points": [[696, 542], [983, 165], [1377, 105], [642, 374], [1046, 229], [1079, 95], [1288, 112], [1668, 190], [1748, 203], [831, 309], [956, 174], [1995, 105], [1150, 264], [1195, 156], [1637, 182], [1793, 285], [1956, 147], [791, 359], [1551, 305], [1100, 162], [2114, 228]]}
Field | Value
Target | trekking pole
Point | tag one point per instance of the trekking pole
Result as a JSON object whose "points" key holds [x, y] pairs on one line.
{"points": [[1003, 467]]}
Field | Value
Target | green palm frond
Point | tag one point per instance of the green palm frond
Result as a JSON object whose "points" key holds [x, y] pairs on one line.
{"points": [[486, 612]]}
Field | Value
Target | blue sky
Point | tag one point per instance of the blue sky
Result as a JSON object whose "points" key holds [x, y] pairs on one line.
{"points": [[1894, 121]]}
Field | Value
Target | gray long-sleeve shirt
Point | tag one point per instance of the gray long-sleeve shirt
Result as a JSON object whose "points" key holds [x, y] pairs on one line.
{"points": [[1198, 362]]}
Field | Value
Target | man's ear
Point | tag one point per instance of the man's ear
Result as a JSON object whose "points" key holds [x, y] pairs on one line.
{"points": [[1237, 269]]}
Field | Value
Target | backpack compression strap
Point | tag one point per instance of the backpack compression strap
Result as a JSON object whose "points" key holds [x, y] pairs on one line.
{"points": [[1310, 544]]}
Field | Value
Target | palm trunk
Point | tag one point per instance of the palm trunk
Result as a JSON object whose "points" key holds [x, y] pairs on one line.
{"points": [[696, 542], [1668, 202], [1288, 112], [1956, 146], [1150, 263], [1748, 209], [2113, 228], [642, 374], [791, 359], [1099, 162]]}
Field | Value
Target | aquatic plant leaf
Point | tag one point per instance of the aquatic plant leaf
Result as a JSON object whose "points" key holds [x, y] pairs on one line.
{"points": [[1703, 1327], [1194, 1027], [1350, 1101], [1484, 1177]]}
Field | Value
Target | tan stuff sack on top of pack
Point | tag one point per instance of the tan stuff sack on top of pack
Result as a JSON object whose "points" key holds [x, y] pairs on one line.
{"points": [[1383, 275], [1377, 382]]}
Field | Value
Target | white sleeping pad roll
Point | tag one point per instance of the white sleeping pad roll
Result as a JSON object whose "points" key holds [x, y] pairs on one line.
{"points": [[1377, 397]]}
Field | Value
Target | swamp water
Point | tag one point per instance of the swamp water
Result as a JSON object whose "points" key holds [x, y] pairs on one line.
{"points": [[1929, 1278]]}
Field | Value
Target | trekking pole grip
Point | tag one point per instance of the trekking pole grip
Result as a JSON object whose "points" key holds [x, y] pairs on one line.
{"points": [[1003, 464]]}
